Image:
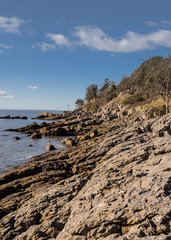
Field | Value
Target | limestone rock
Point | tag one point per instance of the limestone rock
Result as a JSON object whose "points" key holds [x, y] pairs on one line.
{"points": [[116, 185]]}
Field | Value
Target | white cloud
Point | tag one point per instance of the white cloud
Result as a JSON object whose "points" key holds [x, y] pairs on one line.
{"points": [[59, 39], [152, 23], [10, 25], [45, 46], [32, 87], [4, 46], [4, 94], [94, 38]]}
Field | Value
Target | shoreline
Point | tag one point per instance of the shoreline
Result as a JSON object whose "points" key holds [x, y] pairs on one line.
{"points": [[16, 148], [112, 170]]}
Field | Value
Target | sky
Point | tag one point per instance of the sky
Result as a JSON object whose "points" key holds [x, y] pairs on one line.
{"points": [[52, 50]]}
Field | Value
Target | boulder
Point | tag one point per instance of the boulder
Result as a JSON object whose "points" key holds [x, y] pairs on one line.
{"points": [[50, 147]]}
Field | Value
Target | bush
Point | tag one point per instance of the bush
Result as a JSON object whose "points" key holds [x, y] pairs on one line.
{"points": [[79, 103], [133, 99]]}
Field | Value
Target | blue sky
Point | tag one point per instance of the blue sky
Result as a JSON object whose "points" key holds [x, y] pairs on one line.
{"points": [[52, 50]]}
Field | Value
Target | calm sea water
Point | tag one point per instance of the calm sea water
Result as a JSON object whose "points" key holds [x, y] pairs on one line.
{"points": [[14, 153]]}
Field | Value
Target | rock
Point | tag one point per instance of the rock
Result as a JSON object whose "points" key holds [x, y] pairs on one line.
{"points": [[69, 142], [24, 118], [16, 138], [16, 117], [36, 135], [84, 137], [50, 147], [93, 134], [114, 186], [6, 117]]}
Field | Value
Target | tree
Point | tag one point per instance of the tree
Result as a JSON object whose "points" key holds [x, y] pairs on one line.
{"points": [[79, 103], [107, 91], [162, 77], [91, 92]]}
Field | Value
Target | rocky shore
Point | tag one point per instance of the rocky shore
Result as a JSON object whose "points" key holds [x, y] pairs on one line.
{"points": [[113, 181]]}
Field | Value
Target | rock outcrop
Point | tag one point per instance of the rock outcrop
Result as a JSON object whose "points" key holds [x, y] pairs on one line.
{"points": [[116, 184], [15, 117]]}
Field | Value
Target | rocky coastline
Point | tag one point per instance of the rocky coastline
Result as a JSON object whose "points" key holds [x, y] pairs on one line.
{"points": [[113, 181]]}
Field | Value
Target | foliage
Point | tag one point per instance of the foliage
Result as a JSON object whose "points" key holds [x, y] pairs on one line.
{"points": [[107, 92], [125, 84], [140, 79], [151, 79], [79, 103], [91, 92]]}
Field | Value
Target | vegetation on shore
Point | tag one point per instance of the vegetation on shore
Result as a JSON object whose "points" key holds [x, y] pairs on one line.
{"points": [[151, 80]]}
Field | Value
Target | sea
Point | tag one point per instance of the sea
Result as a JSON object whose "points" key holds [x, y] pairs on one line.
{"points": [[18, 152]]}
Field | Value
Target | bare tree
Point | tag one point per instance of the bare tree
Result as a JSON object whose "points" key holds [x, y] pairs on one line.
{"points": [[162, 77]]}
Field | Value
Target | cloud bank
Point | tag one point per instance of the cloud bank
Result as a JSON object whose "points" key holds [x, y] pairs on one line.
{"points": [[10, 25], [96, 39], [3, 94], [32, 87]]}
